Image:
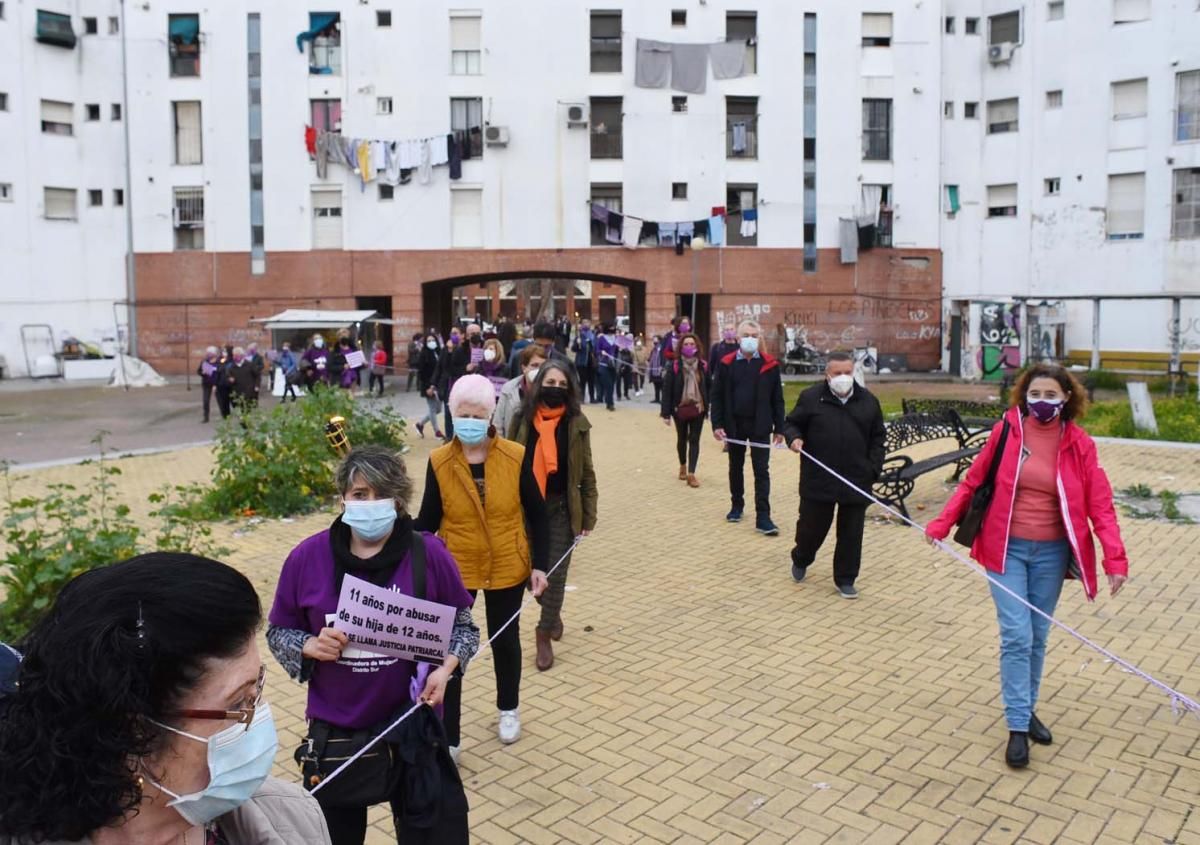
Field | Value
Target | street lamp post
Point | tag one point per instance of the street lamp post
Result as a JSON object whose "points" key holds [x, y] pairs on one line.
{"points": [[698, 246]]}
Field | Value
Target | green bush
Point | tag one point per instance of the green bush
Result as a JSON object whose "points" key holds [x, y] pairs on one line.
{"points": [[1178, 419], [277, 462], [1104, 380], [68, 531]]}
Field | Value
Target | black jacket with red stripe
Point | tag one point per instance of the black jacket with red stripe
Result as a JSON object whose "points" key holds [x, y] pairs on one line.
{"points": [[768, 398]]}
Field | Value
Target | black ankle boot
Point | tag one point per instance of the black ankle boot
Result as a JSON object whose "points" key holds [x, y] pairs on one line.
{"points": [[1038, 732], [1017, 753]]}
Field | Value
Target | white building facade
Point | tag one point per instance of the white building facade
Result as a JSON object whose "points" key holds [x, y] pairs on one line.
{"points": [[851, 108]]}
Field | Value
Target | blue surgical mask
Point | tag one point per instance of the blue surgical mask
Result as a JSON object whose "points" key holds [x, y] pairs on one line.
{"points": [[239, 760], [749, 346], [371, 519], [470, 430]]}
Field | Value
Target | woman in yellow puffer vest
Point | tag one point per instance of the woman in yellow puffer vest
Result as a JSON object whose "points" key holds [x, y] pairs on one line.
{"points": [[479, 500]]}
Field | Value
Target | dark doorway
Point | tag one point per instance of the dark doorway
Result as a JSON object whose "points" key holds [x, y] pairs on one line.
{"points": [[608, 310], [701, 319], [956, 330], [583, 309], [382, 306]]}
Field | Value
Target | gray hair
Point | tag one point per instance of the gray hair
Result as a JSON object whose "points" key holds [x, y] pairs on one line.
{"points": [[753, 323], [212, 350], [237, 350], [380, 468]]}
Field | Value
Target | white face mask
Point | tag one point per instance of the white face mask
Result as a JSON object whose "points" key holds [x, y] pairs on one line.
{"points": [[841, 385], [531, 375], [431, 344], [489, 354]]}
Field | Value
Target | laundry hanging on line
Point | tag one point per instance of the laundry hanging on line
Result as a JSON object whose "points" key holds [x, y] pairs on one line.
{"points": [[629, 231], [390, 162], [685, 66]]}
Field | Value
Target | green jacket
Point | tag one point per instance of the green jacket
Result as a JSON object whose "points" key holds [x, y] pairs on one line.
{"points": [[582, 495]]}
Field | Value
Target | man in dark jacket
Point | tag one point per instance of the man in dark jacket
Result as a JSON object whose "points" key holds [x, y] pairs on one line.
{"points": [[840, 424], [727, 344], [584, 348], [242, 380], [747, 404]]}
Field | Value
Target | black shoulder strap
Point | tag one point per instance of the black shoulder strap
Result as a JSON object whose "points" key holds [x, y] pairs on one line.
{"points": [[418, 564], [994, 469]]}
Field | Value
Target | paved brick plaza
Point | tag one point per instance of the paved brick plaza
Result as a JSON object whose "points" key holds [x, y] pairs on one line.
{"points": [[713, 700]]}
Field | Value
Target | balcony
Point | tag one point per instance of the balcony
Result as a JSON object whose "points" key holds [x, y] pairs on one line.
{"points": [[606, 143]]}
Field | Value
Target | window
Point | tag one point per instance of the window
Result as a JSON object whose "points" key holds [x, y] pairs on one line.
{"points": [[325, 43], [95, 198], [466, 217], [1053, 186], [1185, 211], [970, 110], [59, 204], [883, 224], [6, 192], [188, 144], [679, 190], [54, 28], [951, 200], [1126, 206], [739, 198], [187, 217], [1131, 11], [3, 101], [679, 105], [877, 130], [1002, 200], [606, 42], [57, 118], [1002, 116], [1187, 106], [743, 26], [606, 127], [679, 17], [326, 115], [115, 113], [183, 44], [1129, 99], [118, 196], [971, 26], [608, 195], [1054, 99], [466, 122], [327, 219], [114, 25], [1004, 29], [741, 127], [383, 105], [948, 109], [1055, 10], [383, 18], [465, 45], [876, 29], [92, 110], [949, 25], [90, 27], [386, 192]]}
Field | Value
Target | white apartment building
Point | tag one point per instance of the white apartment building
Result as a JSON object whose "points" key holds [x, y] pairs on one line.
{"points": [[1064, 164]]}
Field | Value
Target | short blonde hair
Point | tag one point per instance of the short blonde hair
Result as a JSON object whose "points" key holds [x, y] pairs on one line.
{"points": [[472, 389], [493, 343]]}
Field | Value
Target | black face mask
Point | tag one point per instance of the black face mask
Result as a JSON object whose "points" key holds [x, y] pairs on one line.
{"points": [[476, 340], [553, 397]]}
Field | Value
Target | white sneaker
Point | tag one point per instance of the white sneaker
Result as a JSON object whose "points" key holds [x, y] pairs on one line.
{"points": [[510, 726], [455, 751], [637, 393]]}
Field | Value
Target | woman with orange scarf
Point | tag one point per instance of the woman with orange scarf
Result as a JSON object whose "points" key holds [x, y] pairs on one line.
{"points": [[558, 450]]}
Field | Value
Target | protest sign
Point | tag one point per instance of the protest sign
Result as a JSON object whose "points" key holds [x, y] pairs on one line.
{"points": [[384, 621], [355, 359]]}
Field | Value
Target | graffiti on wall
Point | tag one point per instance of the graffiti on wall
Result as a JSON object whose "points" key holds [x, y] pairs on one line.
{"points": [[744, 311], [999, 336]]}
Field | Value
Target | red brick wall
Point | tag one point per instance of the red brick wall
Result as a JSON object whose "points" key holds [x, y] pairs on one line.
{"points": [[188, 300]]}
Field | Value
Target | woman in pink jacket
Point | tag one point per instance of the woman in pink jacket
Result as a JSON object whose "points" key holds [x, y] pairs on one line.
{"points": [[1049, 486]]}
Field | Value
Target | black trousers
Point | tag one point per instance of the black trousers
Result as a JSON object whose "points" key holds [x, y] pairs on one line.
{"points": [[348, 825], [224, 403], [206, 392], [813, 526], [760, 461], [500, 605], [687, 441], [587, 383], [375, 378], [657, 382]]}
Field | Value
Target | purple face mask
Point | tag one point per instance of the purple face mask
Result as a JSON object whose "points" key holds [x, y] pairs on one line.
{"points": [[684, 328], [1044, 410]]}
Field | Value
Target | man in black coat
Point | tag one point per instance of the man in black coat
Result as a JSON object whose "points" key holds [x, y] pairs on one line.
{"points": [[840, 424], [747, 404]]}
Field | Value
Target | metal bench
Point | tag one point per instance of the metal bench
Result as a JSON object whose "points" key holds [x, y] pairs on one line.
{"points": [[900, 472], [974, 415]]}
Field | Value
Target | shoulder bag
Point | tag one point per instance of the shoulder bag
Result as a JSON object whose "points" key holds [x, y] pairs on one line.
{"points": [[968, 526]]}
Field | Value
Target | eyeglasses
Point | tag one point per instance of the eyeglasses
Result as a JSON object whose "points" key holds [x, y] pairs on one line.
{"points": [[243, 716]]}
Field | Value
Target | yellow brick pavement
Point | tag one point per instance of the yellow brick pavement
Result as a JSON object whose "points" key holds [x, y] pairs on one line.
{"points": [[700, 696]]}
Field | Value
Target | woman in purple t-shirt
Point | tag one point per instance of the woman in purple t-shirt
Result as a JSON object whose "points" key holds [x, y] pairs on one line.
{"points": [[350, 689]]}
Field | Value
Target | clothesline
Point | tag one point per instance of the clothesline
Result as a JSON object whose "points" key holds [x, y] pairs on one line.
{"points": [[390, 162], [631, 231]]}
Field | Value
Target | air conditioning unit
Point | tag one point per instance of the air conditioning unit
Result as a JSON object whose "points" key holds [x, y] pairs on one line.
{"points": [[496, 136], [577, 116], [1002, 52]]}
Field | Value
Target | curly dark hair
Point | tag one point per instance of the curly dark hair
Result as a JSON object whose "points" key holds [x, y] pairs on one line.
{"points": [[1076, 402], [120, 646]]}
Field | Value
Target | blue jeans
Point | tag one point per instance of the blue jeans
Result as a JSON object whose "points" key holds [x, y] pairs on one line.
{"points": [[1034, 570]]}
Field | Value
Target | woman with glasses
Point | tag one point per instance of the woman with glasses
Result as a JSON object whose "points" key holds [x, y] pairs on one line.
{"points": [[138, 716], [353, 695]]}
